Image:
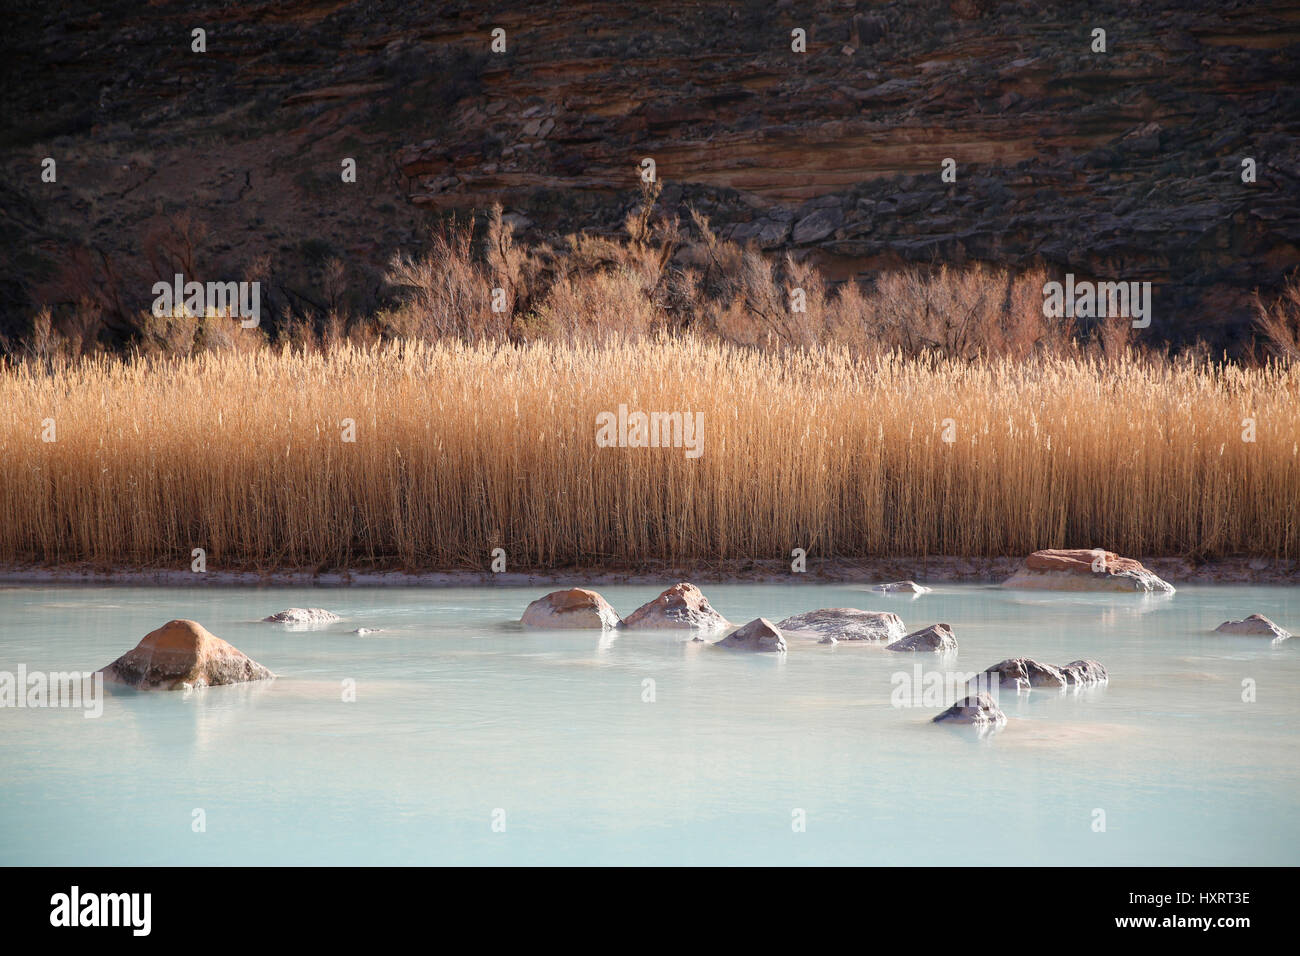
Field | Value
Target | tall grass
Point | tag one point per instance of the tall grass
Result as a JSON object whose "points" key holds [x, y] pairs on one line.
{"points": [[463, 448]]}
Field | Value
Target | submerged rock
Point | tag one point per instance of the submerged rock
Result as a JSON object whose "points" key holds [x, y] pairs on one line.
{"points": [[902, 587], [847, 624], [303, 615], [574, 608], [1085, 673], [976, 709], [937, 637], [183, 653], [1257, 625], [1083, 569], [1024, 672], [759, 634], [682, 605]]}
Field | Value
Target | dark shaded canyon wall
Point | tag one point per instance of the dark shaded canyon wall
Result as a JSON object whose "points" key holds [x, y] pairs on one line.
{"points": [[1125, 164]]}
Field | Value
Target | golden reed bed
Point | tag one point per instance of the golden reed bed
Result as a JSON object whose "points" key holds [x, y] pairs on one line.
{"points": [[459, 450]]}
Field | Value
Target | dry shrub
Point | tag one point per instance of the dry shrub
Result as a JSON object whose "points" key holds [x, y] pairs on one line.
{"points": [[1279, 321], [447, 293]]}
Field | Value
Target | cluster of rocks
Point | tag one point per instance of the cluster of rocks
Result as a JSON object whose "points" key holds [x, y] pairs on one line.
{"points": [[684, 606], [1020, 673], [183, 653]]}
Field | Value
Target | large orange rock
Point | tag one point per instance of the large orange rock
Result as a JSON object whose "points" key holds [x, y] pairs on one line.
{"points": [[183, 653], [1085, 569], [574, 608]]}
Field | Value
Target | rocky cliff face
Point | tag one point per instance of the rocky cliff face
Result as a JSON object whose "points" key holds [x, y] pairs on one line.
{"points": [[1124, 164]]}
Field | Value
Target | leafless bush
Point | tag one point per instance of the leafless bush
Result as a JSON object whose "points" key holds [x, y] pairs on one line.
{"points": [[1279, 321]]}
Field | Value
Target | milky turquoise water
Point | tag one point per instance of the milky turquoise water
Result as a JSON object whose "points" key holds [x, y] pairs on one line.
{"points": [[462, 720]]}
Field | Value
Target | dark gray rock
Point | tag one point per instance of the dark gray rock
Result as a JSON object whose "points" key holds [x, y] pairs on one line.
{"points": [[759, 634], [937, 638], [977, 709]]}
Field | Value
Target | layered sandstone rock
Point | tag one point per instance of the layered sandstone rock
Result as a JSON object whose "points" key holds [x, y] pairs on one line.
{"points": [[180, 654], [1084, 569], [1126, 164]]}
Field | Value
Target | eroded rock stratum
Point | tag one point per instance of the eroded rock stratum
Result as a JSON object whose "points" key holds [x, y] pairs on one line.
{"points": [[1121, 164]]}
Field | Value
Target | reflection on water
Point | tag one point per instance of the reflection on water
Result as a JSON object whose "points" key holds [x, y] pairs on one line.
{"points": [[645, 747]]}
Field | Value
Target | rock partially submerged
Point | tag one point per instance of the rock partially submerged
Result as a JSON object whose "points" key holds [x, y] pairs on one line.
{"points": [[1083, 569], [183, 653], [847, 624], [308, 616], [1022, 673], [937, 637], [976, 709], [902, 587], [574, 608], [1085, 673], [682, 605], [759, 634], [1257, 625]]}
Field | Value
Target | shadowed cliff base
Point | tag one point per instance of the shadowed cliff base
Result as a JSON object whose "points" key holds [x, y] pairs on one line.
{"points": [[1125, 164]]}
